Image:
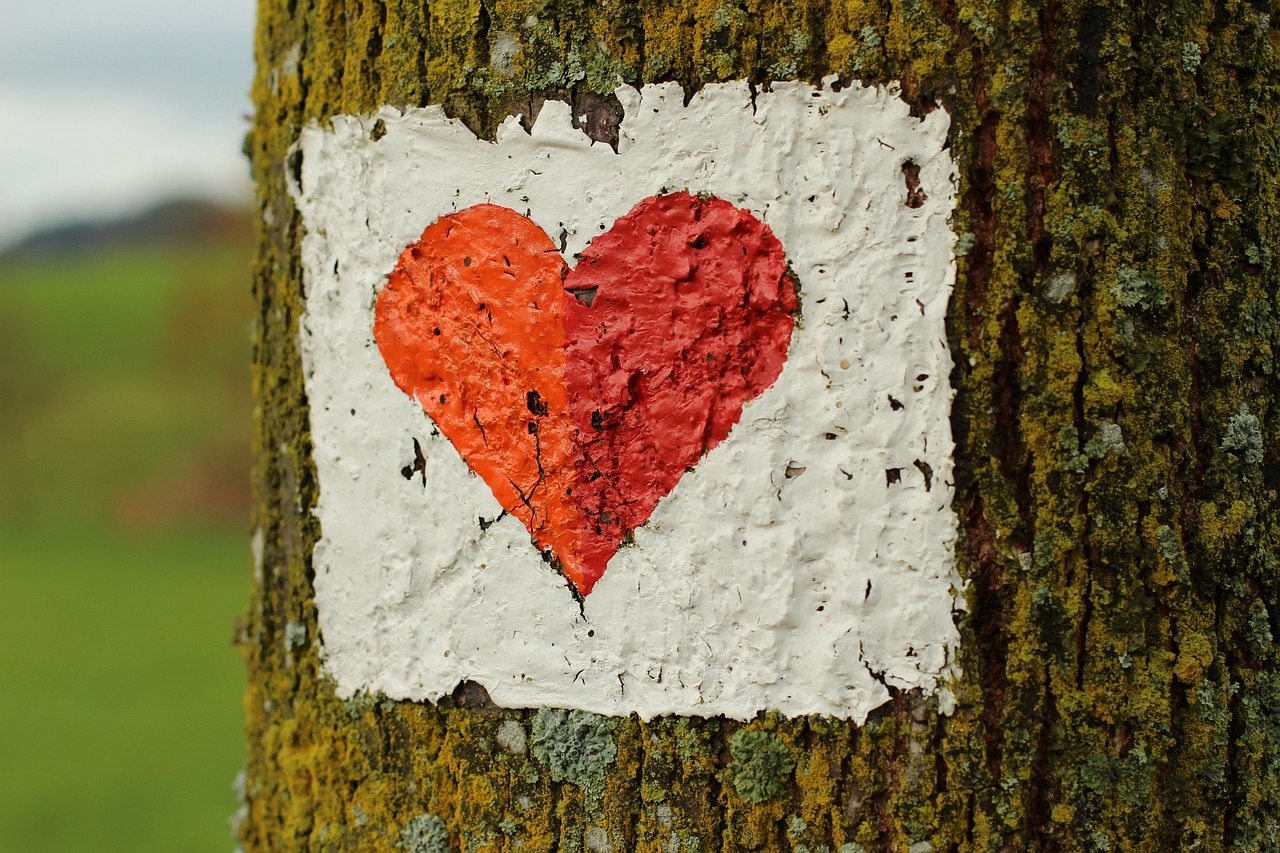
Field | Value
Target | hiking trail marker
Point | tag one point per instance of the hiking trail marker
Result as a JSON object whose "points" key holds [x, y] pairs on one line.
{"points": [[661, 430]]}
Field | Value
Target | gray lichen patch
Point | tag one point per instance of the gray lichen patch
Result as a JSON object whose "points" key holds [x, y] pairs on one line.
{"points": [[576, 746], [511, 737], [1244, 436], [1108, 439], [760, 766], [1135, 288], [426, 833], [1060, 287], [596, 840], [295, 635], [503, 47], [1167, 542]]}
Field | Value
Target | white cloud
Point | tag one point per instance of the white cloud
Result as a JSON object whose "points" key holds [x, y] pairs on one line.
{"points": [[74, 152], [110, 106]]}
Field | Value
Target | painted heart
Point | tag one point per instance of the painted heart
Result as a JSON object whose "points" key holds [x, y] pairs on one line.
{"points": [[582, 396]]}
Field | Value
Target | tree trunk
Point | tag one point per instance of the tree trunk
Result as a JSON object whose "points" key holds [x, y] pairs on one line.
{"points": [[1114, 328]]}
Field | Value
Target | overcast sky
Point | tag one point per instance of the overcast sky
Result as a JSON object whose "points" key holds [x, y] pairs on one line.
{"points": [[106, 107]]}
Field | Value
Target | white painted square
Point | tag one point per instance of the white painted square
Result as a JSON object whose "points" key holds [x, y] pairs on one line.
{"points": [[747, 589]]}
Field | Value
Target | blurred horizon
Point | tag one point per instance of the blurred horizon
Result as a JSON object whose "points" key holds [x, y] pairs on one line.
{"points": [[110, 108]]}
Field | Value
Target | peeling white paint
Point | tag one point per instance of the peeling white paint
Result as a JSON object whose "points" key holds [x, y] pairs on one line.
{"points": [[748, 589]]}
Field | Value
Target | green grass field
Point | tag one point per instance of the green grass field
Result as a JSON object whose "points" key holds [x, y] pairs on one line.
{"points": [[124, 428]]}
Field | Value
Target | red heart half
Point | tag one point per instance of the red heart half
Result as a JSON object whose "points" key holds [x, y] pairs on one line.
{"points": [[582, 396]]}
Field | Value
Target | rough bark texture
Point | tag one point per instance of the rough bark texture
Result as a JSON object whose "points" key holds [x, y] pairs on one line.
{"points": [[1115, 330]]}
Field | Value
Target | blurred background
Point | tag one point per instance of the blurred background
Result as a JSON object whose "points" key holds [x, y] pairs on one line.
{"points": [[124, 421]]}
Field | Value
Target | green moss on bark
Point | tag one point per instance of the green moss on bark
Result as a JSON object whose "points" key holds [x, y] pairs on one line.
{"points": [[1120, 686]]}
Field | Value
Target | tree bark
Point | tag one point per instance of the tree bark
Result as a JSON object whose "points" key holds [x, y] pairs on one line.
{"points": [[1114, 325]]}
